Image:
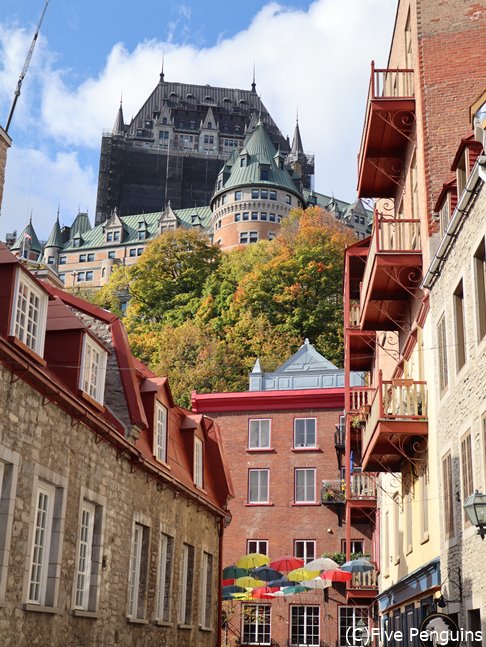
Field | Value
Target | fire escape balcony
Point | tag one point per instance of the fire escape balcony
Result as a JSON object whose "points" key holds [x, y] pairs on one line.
{"points": [[396, 427], [340, 436], [362, 586], [360, 343], [393, 272], [389, 121], [361, 497]]}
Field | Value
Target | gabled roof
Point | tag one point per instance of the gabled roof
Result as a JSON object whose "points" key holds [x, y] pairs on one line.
{"points": [[29, 230], [114, 220], [308, 359], [259, 151], [55, 237], [80, 225], [330, 203]]}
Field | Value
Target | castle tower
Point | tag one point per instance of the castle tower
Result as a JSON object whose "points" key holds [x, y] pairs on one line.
{"points": [[254, 191], [27, 244], [53, 246]]}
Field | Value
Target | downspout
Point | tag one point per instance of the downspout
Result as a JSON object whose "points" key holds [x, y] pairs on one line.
{"points": [[220, 585]]}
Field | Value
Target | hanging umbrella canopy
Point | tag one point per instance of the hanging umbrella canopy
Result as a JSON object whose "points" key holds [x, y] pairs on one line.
{"points": [[265, 573], [233, 572], [317, 583], [293, 590], [281, 582], [287, 563], [358, 566], [264, 592], [322, 564], [336, 576], [249, 582], [301, 574], [242, 596], [230, 590], [252, 560]]}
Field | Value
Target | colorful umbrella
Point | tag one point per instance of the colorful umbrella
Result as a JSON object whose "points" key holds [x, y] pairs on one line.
{"points": [[317, 583], [358, 566], [233, 571], [336, 576], [281, 582], [300, 574], [266, 574], [292, 590], [252, 560], [242, 596], [249, 582], [230, 590], [322, 564], [264, 592], [287, 563]]}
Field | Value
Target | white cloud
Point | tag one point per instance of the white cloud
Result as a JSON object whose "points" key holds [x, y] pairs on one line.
{"points": [[316, 60]]}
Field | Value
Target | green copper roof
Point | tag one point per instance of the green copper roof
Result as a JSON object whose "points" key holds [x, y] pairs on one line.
{"points": [[55, 237], [80, 225], [35, 245], [95, 237], [245, 168]]}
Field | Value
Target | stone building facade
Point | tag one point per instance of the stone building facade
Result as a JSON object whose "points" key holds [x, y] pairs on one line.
{"points": [[5, 143], [274, 438], [112, 498], [457, 284]]}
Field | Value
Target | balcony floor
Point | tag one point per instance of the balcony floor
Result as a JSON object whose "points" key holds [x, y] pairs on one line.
{"points": [[390, 442]]}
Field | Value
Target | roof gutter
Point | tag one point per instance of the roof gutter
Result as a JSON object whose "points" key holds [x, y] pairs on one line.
{"points": [[462, 209]]}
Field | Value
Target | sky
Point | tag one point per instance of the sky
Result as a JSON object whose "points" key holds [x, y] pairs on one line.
{"points": [[311, 59]]}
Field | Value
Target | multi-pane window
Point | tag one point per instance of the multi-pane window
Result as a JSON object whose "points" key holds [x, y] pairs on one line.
{"points": [[256, 624], [480, 288], [459, 326], [160, 434], [305, 432], [42, 553], [238, 195], [442, 350], [258, 485], [62, 260], [8, 478], [259, 434], [198, 462], [448, 490], [206, 593], [304, 625], [88, 556], [257, 546], [466, 470], [357, 546], [305, 485], [305, 549], [166, 553], [349, 633], [424, 516], [138, 571], [93, 369], [187, 584], [29, 320]]}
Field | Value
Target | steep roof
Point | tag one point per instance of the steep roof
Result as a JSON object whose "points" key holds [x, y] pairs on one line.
{"points": [[297, 147], [80, 225], [119, 125], [55, 237], [331, 203], [259, 150], [29, 230]]}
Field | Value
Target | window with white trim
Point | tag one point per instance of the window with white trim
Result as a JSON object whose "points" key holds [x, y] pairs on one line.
{"points": [[259, 434], [348, 621], [448, 495], [304, 625], [160, 433], [459, 312], [256, 624], [206, 593], [258, 485], [88, 559], [480, 288], [93, 369], [166, 557], [305, 432], [305, 549], [198, 462], [442, 354], [257, 546], [305, 485], [138, 571], [46, 544], [8, 483], [30, 313], [467, 481], [187, 585]]}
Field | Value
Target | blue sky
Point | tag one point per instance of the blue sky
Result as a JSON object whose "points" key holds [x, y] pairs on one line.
{"points": [[310, 56]]}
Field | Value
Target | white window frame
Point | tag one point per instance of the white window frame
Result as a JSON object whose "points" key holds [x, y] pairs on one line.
{"points": [[206, 590], [305, 444], [92, 378], [267, 617], [160, 432], [138, 571], [306, 543], [34, 340], [357, 614], [9, 462], [187, 586], [84, 563], [304, 498], [306, 608], [261, 546], [198, 465], [258, 423], [166, 561], [259, 498], [40, 555]]}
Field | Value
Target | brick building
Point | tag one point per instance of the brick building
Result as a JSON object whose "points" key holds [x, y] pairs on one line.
{"points": [[416, 113], [280, 438], [112, 498]]}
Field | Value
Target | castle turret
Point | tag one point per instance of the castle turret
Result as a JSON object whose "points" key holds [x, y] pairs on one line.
{"points": [[53, 246], [27, 244]]}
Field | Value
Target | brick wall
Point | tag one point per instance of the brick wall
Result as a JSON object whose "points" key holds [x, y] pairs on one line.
{"points": [[5, 143]]}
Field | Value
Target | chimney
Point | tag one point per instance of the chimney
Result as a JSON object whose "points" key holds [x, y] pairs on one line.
{"points": [[5, 143]]}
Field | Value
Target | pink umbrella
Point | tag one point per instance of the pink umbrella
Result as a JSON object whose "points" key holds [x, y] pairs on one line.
{"points": [[264, 592], [336, 576]]}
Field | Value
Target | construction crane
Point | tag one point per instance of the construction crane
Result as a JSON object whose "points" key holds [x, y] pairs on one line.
{"points": [[25, 68]]}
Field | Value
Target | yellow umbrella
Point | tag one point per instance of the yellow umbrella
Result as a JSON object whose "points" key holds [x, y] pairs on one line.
{"points": [[243, 596], [249, 582], [252, 560], [302, 574]]}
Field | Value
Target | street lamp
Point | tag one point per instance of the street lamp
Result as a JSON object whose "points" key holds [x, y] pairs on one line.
{"points": [[475, 508]]}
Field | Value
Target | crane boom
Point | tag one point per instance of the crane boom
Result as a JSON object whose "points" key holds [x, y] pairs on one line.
{"points": [[25, 67]]}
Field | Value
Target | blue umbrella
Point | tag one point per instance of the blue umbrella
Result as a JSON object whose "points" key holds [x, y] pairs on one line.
{"points": [[266, 574], [358, 566], [281, 582]]}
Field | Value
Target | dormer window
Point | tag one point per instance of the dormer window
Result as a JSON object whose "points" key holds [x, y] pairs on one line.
{"points": [[264, 174], [93, 369], [160, 433], [445, 215], [116, 235], [461, 175], [109, 237], [30, 315], [142, 235], [198, 462], [77, 242], [210, 125]]}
